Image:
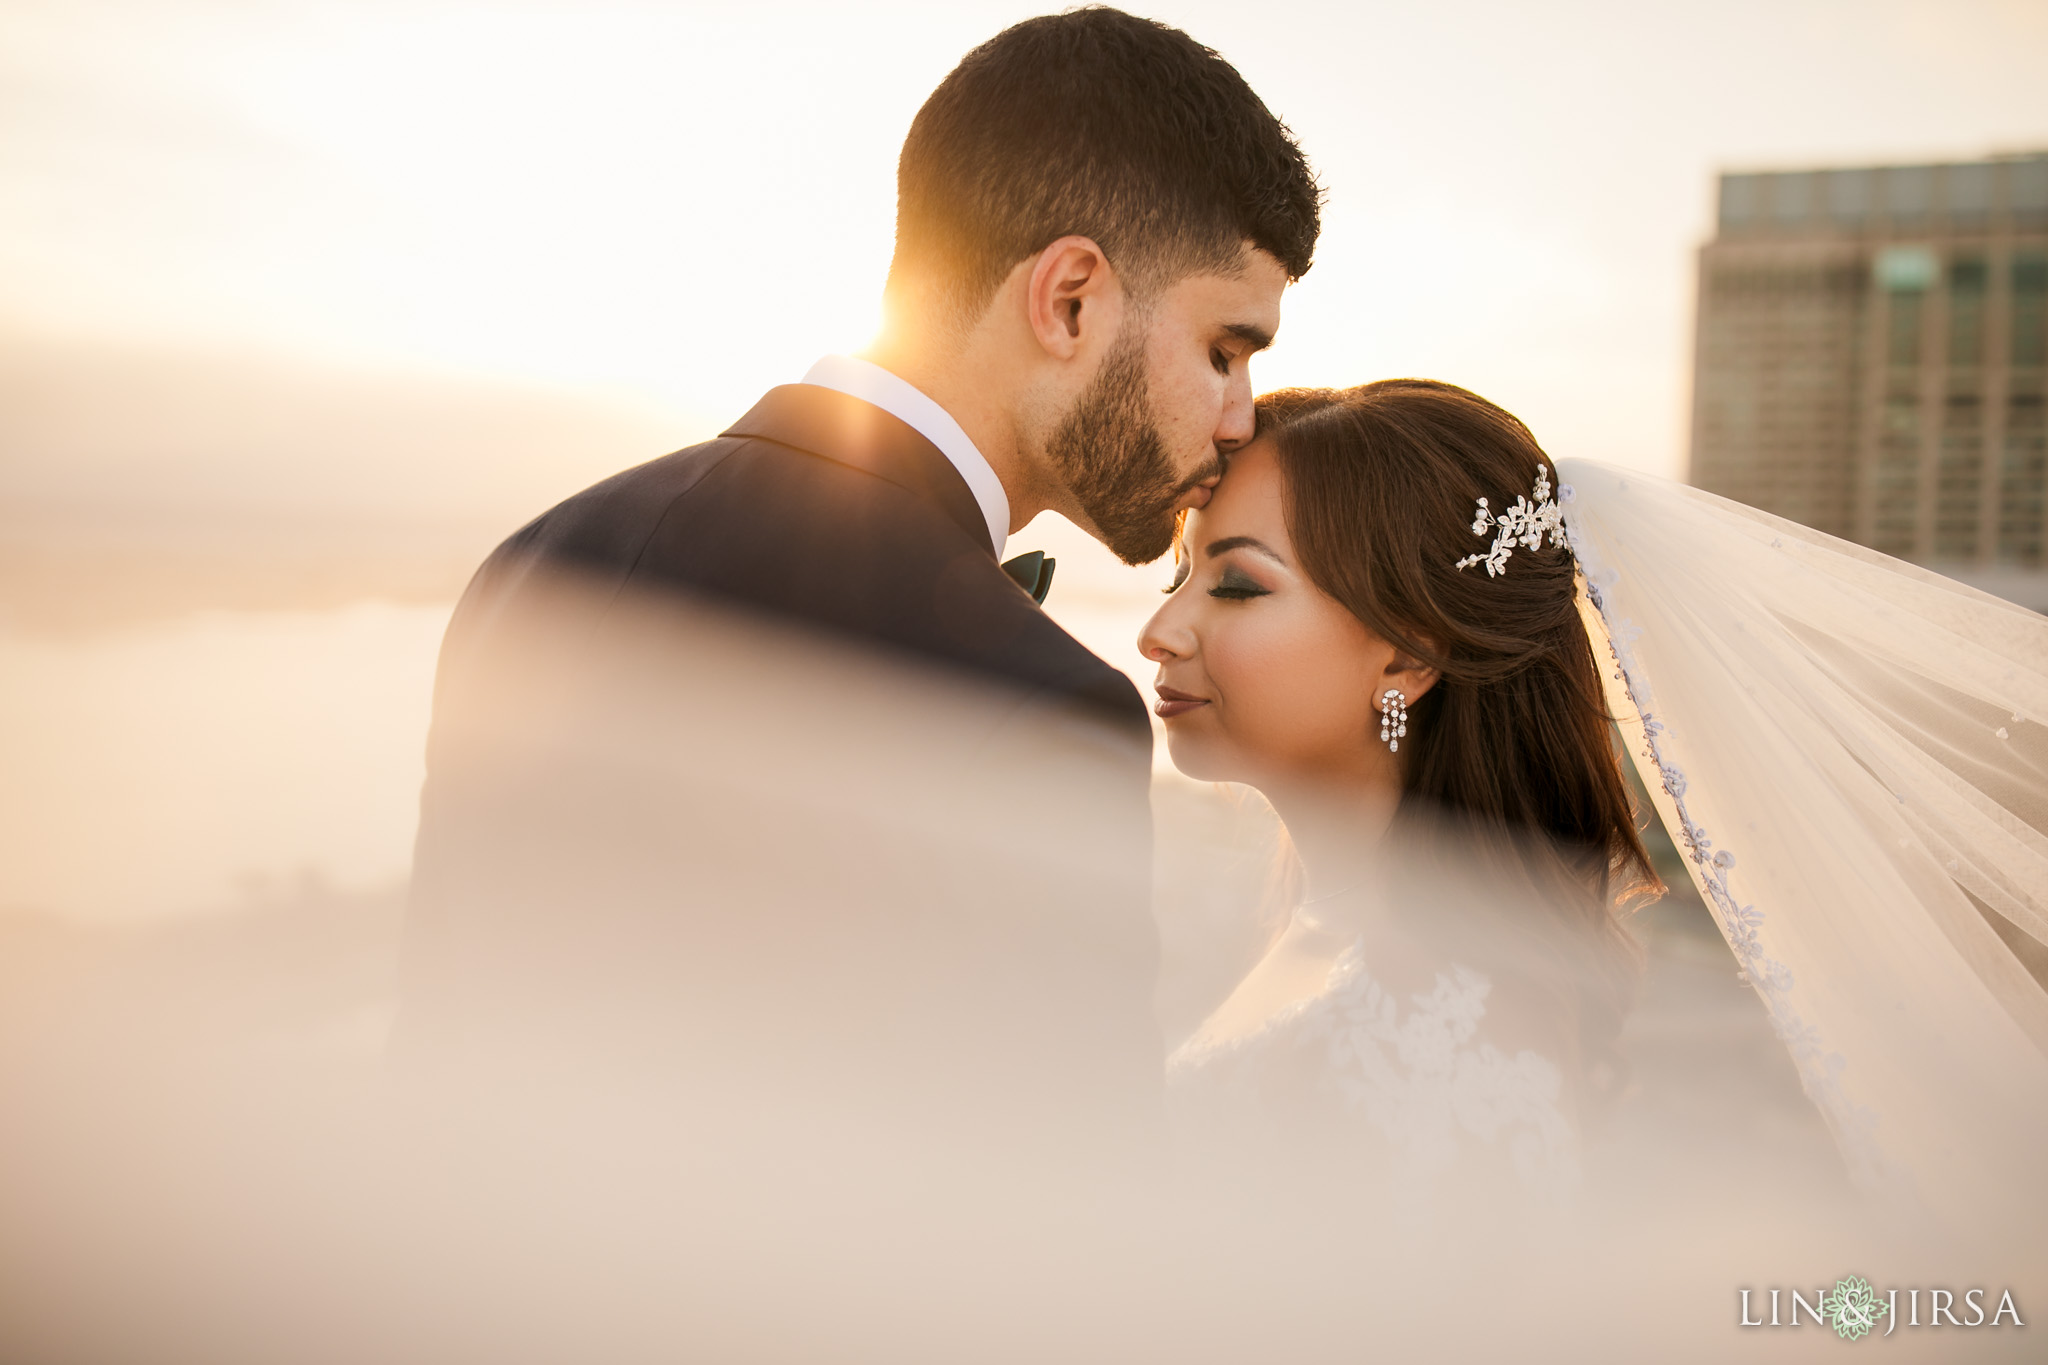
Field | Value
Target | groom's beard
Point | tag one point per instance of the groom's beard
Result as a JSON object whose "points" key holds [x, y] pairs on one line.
{"points": [[1114, 461]]}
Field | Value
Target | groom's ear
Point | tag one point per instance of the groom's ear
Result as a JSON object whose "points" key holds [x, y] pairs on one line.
{"points": [[1073, 299]]}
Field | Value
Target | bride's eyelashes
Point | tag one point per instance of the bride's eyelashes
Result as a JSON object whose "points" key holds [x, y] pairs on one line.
{"points": [[1180, 574], [1237, 586]]}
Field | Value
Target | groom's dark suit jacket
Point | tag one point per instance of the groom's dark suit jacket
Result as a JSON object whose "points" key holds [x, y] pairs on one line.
{"points": [[823, 510], [756, 786]]}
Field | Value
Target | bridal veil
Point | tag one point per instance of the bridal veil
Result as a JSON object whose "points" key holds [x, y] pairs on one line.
{"points": [[1852, 754]]}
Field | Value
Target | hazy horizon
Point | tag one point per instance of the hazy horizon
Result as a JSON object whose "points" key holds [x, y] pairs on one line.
{"points": [[378, 271]]}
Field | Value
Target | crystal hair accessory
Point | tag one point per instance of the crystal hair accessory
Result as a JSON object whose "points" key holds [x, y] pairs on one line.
{"points": [[1525, 524]]}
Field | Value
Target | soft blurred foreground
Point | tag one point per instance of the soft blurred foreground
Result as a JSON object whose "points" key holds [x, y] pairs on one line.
{"points": [[210, 1156]]}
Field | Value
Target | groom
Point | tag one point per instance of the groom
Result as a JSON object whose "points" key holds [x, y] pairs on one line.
{"points": [[1096, 221]]}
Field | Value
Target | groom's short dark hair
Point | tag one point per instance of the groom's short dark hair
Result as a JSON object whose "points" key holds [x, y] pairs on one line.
{"points": [[1099, 123]]}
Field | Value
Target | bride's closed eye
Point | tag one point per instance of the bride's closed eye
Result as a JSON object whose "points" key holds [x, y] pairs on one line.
{"points": [[1238, 586], [1180, 574]]}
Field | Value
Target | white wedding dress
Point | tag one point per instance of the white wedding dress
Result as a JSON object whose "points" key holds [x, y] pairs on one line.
{"points": [[1851, 754], [1410, 1080]]}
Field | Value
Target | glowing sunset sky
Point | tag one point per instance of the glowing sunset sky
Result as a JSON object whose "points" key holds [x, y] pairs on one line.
{"points": [[663, 209]]}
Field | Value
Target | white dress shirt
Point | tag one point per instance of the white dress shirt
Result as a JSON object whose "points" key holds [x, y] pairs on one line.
{"points": [[871, 383]]}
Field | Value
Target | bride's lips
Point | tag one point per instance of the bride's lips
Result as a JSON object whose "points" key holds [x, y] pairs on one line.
{"points": [[1175, 703]]}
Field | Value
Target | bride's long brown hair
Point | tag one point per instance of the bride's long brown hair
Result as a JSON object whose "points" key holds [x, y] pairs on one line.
{"points": [[1514, 739]]}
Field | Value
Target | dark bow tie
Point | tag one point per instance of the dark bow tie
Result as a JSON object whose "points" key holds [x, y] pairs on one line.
{"points": [[1033, 573]]}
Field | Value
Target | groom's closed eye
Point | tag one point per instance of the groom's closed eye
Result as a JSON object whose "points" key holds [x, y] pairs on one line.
{"points": [[1251, 340], [1254, 338]]}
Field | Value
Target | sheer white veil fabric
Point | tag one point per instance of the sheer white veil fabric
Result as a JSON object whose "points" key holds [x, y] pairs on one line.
{"points": [[1852, 753]]}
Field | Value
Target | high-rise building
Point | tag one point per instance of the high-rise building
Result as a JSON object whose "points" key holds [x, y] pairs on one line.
{"points": [[1871, 356]]}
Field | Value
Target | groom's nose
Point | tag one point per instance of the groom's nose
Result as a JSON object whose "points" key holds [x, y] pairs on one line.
{"points": [[1239, 421]]}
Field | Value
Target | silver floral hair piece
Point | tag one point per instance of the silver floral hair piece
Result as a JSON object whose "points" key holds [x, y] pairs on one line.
{"points": [[1524, 524]]}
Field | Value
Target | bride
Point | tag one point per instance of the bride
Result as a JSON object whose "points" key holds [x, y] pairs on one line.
{"points": [[1410, 631], [1322, 646]]}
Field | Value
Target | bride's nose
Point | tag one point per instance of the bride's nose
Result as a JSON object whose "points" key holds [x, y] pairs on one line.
{"points": [[1164, 639]]}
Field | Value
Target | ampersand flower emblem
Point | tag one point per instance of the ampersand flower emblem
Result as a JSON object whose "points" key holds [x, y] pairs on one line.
{"points": [[1852, 1307]]}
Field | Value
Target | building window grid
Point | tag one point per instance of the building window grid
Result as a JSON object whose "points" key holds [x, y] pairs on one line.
{"points": [[2029, 309], [1896, 479], [2023, 462], [1780, 362], [1902, 343], [1959, 478], [2023, 481], [1967, 276], [1969, 198], [1954, 451]]}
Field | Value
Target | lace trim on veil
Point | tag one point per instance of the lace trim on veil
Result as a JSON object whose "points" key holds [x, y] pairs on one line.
{"points": [[1820, 1070]]}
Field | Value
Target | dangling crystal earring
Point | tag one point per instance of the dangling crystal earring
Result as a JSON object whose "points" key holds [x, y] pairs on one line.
{"points": [[1393, 718]]}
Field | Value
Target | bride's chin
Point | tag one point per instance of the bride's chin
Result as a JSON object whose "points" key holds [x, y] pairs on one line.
{"points": [[1202, 761]]}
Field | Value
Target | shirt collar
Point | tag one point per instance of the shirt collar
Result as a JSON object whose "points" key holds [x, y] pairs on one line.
{"points": [[871, 383]]}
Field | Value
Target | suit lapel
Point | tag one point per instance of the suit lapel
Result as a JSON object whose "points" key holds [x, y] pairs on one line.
{"points": [[851, 431]]}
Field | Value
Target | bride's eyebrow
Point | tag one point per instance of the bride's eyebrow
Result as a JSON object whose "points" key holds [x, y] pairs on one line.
{"points": [[1252, 543]]}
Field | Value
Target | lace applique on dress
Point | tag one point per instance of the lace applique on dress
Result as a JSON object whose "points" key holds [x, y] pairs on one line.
{"points": [[1439, 1099]]}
